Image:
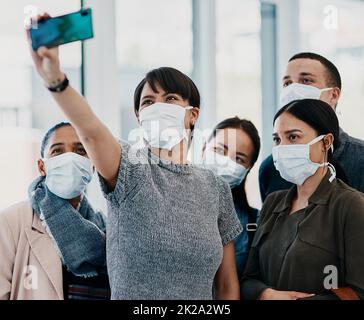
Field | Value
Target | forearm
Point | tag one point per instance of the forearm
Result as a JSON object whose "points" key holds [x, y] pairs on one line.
{"points": [[101, 146], [226, 279], [77, 110], [94, 135], [230, 291]]}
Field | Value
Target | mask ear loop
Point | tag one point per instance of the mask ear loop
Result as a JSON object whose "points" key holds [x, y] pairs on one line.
{"points": [[328, 164], [317, 139], [333, 172], [331, 167], [326, 89]]}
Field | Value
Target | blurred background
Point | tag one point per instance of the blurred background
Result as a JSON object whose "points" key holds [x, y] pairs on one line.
{"points": [[235, 51]]}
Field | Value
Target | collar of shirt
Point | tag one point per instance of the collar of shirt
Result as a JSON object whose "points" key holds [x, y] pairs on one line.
{"points": [[321, 195]]}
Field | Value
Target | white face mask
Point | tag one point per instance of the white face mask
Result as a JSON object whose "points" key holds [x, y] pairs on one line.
{"points": [[226, 168], [163, 124], [294, 164], [298, 91], [68, 174]]}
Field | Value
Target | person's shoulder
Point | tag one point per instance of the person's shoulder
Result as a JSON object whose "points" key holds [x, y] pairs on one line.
{"points": [[211, 178], [17, 215], [270, 204], [276, 196], [346, 200], [221, 183], [200, 170], [355, 142], [345, 193], [125, 145], [17, 209], [348, 205], [134, 153], [132, 146], [267, 163]]}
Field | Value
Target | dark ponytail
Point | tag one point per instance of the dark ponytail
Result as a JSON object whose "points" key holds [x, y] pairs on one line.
{"points": [[322, 118]]}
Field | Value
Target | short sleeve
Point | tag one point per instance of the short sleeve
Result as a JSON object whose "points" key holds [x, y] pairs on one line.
{"points": [[129, 173], [228, 221]]}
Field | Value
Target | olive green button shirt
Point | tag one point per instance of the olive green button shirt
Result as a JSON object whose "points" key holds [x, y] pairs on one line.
{"points": [[291, 252]]}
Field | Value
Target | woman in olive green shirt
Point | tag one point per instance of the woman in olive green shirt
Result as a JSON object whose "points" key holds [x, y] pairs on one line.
{"points": [[310, 238]]}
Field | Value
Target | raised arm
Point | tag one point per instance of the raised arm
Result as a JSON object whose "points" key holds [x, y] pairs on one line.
{"points": [[101, 146]]}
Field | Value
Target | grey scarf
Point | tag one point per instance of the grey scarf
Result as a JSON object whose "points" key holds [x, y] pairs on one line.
{"points": [[79, 235]]}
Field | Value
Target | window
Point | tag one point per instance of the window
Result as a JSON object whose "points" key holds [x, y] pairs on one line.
{"points": [[334, 29], [238, 60], [26, 108], [150, 34], [238, 69]]}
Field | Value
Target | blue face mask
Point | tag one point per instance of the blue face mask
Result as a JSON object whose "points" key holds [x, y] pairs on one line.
{"points": [[68, 174]]}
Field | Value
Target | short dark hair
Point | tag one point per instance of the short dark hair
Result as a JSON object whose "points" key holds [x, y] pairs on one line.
{"points": [[239, 193], [172, 81], [49, 133], [322, 118], [333, 75]]}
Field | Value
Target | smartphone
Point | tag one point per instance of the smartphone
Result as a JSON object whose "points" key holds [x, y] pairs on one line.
{"points": [[56, 31]]}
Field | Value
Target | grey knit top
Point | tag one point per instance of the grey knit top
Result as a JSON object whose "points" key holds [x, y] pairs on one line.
{"points": [[167, 225]]}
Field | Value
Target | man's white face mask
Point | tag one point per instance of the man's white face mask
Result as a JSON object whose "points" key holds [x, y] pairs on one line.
{"points": [[298, 91]]}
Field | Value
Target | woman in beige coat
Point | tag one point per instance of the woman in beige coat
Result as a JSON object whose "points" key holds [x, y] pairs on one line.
{"points": [[30, 267], [53, 245]]}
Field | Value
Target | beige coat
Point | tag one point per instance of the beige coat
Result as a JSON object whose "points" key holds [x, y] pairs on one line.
{"points": [[30, 268]]}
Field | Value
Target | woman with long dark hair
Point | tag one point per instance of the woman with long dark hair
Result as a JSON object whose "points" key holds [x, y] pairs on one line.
{"points": [[309, 243], [231, 151]]}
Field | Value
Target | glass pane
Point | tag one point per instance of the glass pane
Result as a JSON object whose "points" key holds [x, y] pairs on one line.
{"points": [[238, 69], [338, 25], [158, 35], [150, 34], [26, 108]]}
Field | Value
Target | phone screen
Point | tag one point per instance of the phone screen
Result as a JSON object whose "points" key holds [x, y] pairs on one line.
{"points": [[63, 29]]}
